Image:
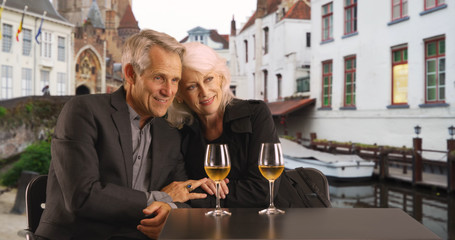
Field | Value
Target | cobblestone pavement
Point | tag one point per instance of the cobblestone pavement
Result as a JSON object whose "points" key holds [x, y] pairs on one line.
{"points": [[10, 224]]}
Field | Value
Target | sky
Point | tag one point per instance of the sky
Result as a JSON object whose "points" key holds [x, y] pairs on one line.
{"points": [[177, 17]]}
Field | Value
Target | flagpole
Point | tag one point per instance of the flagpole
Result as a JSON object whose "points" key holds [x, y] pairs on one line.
{"points": [[19, 29], [38, 33]]}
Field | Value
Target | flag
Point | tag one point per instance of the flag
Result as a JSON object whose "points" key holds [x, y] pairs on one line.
{"points": [[1, 10], [40, 27], [19, 30]]}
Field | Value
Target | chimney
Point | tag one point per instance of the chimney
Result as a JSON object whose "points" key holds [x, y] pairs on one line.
{"points": [[233, 30], [261, 8]]}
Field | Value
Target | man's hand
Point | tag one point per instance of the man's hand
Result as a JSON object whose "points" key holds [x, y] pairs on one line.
{"points": [[152, 227], [210, 187], [180, 192]]}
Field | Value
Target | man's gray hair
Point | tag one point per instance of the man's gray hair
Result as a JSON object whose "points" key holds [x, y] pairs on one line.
{"points": [[136, 48]]}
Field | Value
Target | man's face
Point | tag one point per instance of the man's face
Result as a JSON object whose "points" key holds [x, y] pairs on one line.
{"points": [[151, 93]]}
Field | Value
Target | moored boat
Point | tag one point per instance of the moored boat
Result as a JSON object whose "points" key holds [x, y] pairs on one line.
{"points": [[339, 167]]}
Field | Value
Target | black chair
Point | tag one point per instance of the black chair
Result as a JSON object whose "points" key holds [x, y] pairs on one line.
{"points": [[303, 187], [35, 199]]}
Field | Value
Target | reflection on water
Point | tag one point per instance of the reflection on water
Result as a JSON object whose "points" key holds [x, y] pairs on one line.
{"points": [[433, 209]]}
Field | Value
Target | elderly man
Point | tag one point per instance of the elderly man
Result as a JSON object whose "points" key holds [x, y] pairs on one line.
{"points": [[115, 161]]}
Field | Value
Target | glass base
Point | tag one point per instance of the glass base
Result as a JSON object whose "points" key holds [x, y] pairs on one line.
{"points": [[218, 212], [271, 211]]}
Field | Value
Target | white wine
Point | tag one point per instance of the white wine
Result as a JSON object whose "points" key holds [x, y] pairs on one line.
{"points": [[271, 172], [217, 173]]}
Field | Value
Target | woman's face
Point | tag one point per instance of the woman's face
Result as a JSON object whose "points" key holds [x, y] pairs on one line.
{"points": [[201, 92]]}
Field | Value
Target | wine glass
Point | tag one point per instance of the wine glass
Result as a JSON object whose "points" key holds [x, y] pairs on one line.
{"points": [[271, 165], [217, 166]]}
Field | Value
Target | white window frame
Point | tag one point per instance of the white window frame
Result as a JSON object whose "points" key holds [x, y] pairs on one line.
{"points": [[61, 84], [7, 37], [46, 45], [6, 82], [27, 82]]}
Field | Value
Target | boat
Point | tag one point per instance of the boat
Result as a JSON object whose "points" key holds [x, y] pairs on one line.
{"points": [[336, 167]]}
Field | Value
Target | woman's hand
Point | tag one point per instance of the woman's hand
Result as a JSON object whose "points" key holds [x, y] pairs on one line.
{"points": [[210, 187]]}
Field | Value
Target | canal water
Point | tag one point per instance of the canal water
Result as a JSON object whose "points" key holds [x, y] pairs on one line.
{"points": [[431, 207]]}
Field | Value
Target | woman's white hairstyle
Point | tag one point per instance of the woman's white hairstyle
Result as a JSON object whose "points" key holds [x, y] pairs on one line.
{"points": [[202, 59]]}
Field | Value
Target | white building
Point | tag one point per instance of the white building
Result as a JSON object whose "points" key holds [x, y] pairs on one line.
{"points": [[270, 56], [26, 66], [378, 70], [211, 38]]}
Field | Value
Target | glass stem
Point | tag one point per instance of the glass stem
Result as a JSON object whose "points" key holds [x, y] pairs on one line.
{"points": [[218, 207], [271, 183]]}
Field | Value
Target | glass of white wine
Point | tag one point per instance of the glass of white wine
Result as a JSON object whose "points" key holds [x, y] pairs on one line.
{"points": [[217, 166], [271, 165]]}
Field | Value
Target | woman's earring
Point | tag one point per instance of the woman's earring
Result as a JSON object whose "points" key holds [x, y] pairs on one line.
{"points": [[179, 101]]}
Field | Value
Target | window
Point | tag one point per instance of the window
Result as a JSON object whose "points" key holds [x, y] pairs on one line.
{"points": [[46, 45], [327, 22], [435, 71], [61, 84], [433, 3], [246, 50], [254, 46], [303, 84], [7, 82], [308, 39], [279, 82], [44, 79], [350, 16], [400, 76], [61, 49], [26, 81], [399, 9], [266, 40], [233, 89], [327, 84], [266, 73], [7, 37], [27, 42], [349, 81]]}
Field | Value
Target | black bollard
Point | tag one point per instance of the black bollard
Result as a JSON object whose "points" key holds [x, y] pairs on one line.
{"points": [[19, 203]]}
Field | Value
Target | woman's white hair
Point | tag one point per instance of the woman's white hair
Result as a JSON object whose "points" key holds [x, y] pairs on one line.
{"points": [[203, 59]]}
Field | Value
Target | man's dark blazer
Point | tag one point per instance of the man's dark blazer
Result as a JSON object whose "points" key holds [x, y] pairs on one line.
{"points": [[89, 193]]}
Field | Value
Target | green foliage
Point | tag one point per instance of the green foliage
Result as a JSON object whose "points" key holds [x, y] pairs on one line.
{"points": [[2, 112], [36, 158], [32, 113]]}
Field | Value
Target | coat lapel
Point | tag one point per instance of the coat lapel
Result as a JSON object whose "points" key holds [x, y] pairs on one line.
{"points": [[160, 143], [123, 125]]}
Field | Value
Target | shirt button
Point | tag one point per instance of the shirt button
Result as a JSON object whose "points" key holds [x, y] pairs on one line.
{"points": [[139, 157]]}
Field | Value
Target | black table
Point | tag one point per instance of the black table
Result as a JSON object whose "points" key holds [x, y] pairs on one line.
{"points": [[296, 223]]}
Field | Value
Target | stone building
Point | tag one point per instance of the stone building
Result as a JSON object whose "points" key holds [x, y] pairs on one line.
{"points": [[380, 68], [101, 29], [271, 54], [32, 63]]}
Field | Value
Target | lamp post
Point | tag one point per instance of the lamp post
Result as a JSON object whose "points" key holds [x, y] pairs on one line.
{"points": [[451, 160], [417, 130], [451, 131], [417, 164]]}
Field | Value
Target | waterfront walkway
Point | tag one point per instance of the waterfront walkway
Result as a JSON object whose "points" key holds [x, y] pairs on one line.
{"points": [[428, 179], [10, 224]]}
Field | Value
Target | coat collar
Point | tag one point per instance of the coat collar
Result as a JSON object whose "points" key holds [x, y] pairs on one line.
{"points": [[237, 115]]}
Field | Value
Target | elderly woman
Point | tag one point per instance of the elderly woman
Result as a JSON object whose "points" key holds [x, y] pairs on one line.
{"points": [[207, 112]]}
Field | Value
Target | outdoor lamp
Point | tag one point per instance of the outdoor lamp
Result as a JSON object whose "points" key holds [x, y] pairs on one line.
{"points": [[451, 131], [417, 130]]}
